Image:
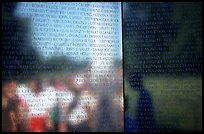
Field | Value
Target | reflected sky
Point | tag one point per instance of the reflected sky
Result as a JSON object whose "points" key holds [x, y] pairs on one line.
{"points": [[74, 29]]}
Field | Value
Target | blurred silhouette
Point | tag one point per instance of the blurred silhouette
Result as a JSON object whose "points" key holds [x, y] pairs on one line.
{"points": [[80, 109], [75, 114], [104, 113], [117, 86], [145, 121], [108, 115], [11, 119], [130, 124], [60, 89]]}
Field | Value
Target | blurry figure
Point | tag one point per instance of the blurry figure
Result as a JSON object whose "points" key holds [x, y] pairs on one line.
{"points": [[11, 121], [64, 99], [130, 123], [117, 82], [40, 101], [58, 84], [76, 116], [109, 113], [145, 121], [104, 114], [80, 110]]}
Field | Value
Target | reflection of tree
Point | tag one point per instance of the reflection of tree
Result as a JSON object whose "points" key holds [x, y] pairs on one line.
{"points": [[62, 63], [18, 56]]}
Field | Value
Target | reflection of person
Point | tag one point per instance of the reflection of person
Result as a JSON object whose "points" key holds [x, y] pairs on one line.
{"points": [[39, 100], [77, 113], [145, 118], [64, 99], [10, 107], [118, 99], [130, 124]]}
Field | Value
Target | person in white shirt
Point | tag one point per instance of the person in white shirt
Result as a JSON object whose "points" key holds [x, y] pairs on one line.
{"points": [[78, 114], [39, 102]]}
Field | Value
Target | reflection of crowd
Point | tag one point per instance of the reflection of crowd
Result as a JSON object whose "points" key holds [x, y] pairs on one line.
{"points": [[58, 104]]}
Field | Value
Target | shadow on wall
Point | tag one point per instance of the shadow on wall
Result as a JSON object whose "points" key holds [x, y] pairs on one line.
{"points": [[144, 120]]}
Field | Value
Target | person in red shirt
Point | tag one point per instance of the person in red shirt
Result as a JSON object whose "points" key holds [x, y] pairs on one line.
{"points": [[39, 101]]}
